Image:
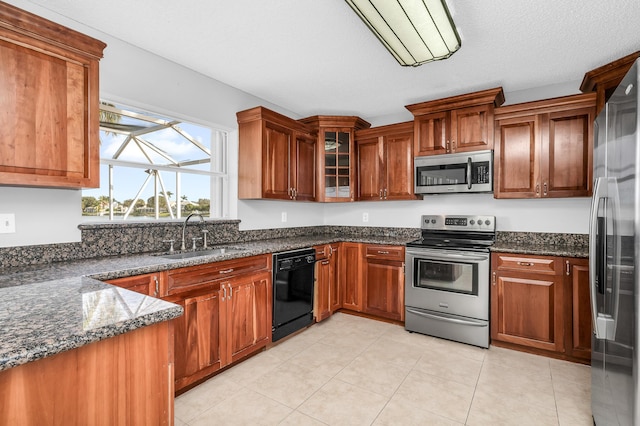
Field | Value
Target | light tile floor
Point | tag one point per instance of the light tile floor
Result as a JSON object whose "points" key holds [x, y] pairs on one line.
{"points": [[350, 370]]}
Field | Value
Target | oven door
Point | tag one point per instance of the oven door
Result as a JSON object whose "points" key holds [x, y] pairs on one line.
{"points": [[450, 281]]}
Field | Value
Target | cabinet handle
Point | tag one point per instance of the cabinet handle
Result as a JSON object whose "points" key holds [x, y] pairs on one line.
{"points": [[385, 193], [544, 191], [447, 146], [568, 268], [226, 271], [453, 145], [526, 263], [155, 279], [230, 291], [325, 262], [380, 193], [224, 292], [295, 193], [383, 252], [537, 189], [494, 279]]}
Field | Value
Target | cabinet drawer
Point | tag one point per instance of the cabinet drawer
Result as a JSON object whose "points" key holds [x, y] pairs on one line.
{"points": [[385, 252], [527, 263], [322, 252], [186, 278]]}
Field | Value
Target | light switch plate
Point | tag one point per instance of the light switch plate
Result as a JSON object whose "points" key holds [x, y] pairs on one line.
{"points": [[365, 217], [284, 216], [7, 223]]}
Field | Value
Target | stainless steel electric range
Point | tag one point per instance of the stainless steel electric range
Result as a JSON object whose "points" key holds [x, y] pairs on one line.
{"points": [[447, 278]]}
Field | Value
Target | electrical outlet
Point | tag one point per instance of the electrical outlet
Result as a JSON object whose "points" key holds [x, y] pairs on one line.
{"points": [[7, 223], [365, 217], [283, 217]]}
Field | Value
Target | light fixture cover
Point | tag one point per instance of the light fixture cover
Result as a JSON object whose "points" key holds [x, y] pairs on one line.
{"points": [[414, 31]]}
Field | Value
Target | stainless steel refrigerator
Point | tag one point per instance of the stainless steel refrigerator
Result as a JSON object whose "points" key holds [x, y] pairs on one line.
{"points": [[613, 255]]}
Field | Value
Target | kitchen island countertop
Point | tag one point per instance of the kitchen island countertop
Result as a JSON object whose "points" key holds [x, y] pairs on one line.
{"points": [[50, 308]]}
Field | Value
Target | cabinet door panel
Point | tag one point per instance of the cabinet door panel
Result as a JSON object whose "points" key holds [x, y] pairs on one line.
{"points": [[398, 161], [517, 154], [197, 338], [248, 315], [321, 297], [569, 142], [528, 311], [351, 276], [384, 288], [579, 322], [335, 293], [304, 166], [432, 134], [277, 152], [472, 128], [369, 169]]}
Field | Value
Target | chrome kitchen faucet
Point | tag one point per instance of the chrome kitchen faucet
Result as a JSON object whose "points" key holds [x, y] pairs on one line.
{"points": [[184, 226]]}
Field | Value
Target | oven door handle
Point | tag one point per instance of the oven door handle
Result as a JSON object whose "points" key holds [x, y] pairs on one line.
{"points": [[438, 255], [447, 319]]}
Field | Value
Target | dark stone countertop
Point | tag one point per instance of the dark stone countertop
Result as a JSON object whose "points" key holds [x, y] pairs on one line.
{"points": [[541, 249], [47, 309]]}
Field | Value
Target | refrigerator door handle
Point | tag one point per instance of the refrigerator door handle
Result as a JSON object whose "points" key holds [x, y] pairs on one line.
{"points": [[604, 324]]}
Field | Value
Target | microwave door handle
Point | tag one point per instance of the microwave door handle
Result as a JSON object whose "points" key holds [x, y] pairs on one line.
{"points": [[469, 173]]}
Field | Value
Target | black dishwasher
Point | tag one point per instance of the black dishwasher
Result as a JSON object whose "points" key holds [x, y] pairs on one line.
{"points": [[292, 291]]}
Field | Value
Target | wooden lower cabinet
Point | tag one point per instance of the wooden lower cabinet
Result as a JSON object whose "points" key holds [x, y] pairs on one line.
{"points": [[122, 380], [150, 284], [224, 320], [541, 303], [350, 265], [578, 306], [197, 337], [247, 313], [383, 287], [327, 296]]}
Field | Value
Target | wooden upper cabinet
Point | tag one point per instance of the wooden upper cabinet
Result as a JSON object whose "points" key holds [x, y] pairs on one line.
{"points": [[543, 149], [277, 157], [455, 124], [336, 164], [50, 102], [604, 80], [385, 162]]}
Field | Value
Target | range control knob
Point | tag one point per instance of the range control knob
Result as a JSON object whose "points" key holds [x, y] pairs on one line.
{"points": [[487, 222], [473, 222], [433, 221]]}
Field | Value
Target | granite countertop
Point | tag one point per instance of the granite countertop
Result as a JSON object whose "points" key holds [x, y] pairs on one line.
{"points": [[51, 308], [542, 249]]}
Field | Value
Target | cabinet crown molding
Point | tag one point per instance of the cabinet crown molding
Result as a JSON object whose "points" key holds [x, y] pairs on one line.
{"points": [[262, 113], [584, 100], [353, 121], [610, 73], [490, 96], [34, 27]]}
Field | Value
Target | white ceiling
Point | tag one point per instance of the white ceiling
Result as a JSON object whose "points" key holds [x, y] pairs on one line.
{"points": [[317, 57]]}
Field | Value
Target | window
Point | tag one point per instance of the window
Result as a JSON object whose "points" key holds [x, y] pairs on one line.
{"points": [[155, 167]]}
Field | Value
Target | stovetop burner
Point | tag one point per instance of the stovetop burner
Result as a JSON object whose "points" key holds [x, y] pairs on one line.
{"points": [[457, 232]]}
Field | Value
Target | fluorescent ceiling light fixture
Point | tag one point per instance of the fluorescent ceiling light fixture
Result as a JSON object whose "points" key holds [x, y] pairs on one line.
{"points": [[414, 31]]}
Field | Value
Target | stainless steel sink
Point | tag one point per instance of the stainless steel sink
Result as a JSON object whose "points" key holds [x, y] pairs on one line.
{"points": [[198, 253]]}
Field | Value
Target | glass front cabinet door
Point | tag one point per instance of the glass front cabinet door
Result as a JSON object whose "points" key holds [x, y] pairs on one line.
{"points": [[336, 156]]}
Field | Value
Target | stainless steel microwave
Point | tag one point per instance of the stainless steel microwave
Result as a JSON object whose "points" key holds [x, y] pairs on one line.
{"points": [[449, 173]]}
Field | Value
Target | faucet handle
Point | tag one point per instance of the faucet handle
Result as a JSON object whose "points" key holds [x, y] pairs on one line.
{"points": [[169, 241], [194, 241], [204, 235]]}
